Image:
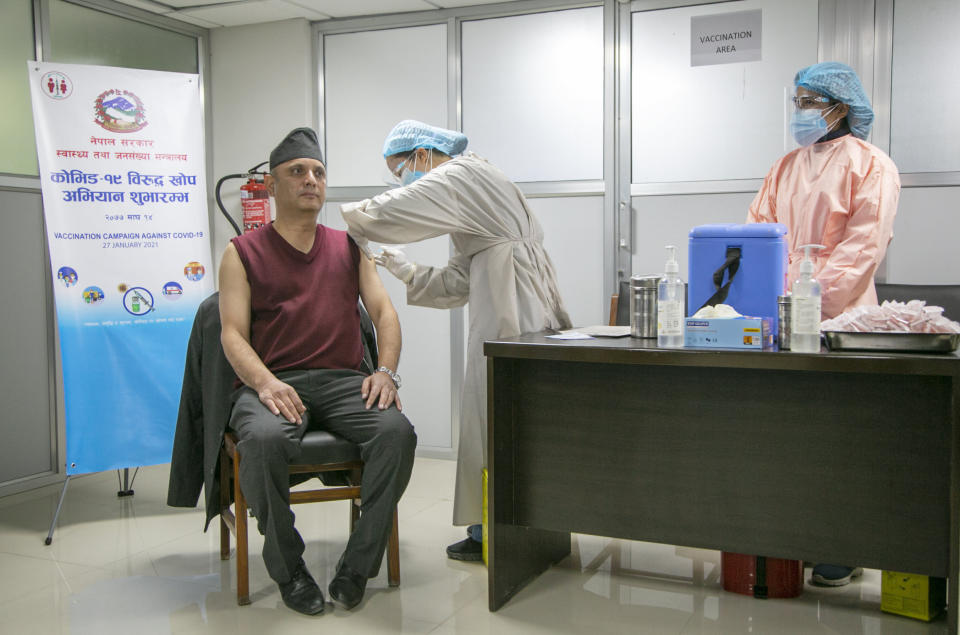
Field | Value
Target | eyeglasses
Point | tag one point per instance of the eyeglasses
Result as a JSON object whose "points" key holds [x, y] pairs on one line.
{"points": [[810, 101]]}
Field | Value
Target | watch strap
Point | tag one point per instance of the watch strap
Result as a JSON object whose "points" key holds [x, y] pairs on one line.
{"points": [[394, 376]]}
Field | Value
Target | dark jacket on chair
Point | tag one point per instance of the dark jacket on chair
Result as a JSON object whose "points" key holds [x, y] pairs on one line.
{"points": [[205, 405]]}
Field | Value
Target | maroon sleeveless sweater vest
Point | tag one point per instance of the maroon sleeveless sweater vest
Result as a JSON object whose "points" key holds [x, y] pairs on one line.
{"points": [[303, 305]]}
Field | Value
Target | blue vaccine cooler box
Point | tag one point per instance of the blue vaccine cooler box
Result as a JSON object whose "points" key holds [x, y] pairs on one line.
{"points": [[756, 254]]}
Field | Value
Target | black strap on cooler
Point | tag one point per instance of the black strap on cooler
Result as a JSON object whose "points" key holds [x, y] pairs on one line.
{"points": [[760, 582], [731, 265]]}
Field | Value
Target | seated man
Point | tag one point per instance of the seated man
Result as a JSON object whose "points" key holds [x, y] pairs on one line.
{"points": [[291, 331]]}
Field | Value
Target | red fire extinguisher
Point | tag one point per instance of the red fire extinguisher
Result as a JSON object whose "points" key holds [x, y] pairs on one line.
{"points": [[255, 201]]}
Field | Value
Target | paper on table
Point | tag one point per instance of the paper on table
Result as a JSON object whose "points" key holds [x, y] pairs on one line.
{"points": [[570, 335], [605, 331]]}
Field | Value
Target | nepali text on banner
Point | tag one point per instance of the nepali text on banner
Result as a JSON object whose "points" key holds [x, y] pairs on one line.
{"points": [[124, 195]]}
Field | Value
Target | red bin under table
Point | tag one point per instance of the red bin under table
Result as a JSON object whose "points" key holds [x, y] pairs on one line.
{"points": [[760, 576]]}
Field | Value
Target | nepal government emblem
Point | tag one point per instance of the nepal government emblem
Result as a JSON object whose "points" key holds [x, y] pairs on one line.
{"points": [[119, 111]]}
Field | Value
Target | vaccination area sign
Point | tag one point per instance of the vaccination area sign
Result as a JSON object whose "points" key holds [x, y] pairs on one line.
{"points": [[724, 38], [124, 199]]}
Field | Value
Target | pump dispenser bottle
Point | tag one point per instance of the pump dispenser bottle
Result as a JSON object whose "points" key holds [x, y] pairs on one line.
{"points": [[670, 304], [805, 308]]}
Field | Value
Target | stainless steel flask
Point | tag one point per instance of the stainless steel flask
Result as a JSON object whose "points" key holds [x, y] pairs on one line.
{"points": [[643, 306], [783, 322]]}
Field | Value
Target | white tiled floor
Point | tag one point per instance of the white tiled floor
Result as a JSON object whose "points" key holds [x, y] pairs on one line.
{"points": [[136, 566]]}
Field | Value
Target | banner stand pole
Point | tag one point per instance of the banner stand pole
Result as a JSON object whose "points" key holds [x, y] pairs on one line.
{"points": [[56, 515], [127, 488]]}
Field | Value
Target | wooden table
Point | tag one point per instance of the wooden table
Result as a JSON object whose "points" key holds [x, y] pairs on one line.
{"points": [[847, 458]]}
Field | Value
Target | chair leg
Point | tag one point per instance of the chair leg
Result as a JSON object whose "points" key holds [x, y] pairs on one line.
{"points": [[393, 553], [225, 470], [356, 476], [240, 514], [354, 513]]}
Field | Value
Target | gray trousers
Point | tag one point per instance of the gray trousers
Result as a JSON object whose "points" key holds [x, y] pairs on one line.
{"points": [[268, 443]]}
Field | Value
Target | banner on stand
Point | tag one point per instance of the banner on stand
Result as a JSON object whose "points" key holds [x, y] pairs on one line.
{"points": [[122, 175]]}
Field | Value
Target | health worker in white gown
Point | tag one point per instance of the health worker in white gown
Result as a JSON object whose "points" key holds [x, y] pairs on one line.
{"points": [[499, 266]]}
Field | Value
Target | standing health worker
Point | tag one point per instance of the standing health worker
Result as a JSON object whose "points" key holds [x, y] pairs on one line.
{"points": [[499, 266], [837, 190]]}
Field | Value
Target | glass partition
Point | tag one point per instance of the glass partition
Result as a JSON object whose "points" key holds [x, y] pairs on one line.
{"points": [[79, 35], [19, 155], [533, 93], [372, 80], [720, 120], [924, 130]]}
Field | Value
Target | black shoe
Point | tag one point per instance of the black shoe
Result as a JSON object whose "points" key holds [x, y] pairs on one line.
{"points": [[347, 587], [468, 550], [301, 593]]}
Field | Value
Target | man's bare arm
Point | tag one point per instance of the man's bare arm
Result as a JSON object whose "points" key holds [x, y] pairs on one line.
{"points": [[279, 397], [389, 340]]}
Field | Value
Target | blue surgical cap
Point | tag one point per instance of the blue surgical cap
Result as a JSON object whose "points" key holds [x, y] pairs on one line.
{"points": [[409, 135], [839, 82]]}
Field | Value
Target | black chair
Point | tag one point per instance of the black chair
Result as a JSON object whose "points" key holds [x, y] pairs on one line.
{"points": [[943, 295]]}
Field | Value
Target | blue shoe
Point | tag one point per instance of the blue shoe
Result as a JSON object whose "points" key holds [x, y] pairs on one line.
{"points": [[834, 574], [475, 532]]}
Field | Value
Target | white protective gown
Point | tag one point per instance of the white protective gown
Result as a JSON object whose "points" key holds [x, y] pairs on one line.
{"points": [[499, 266]]}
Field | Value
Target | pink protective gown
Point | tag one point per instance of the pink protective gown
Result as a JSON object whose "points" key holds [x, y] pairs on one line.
{"points": [[841, 194]]}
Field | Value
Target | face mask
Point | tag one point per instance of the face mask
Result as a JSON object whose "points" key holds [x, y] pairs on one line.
{"points": [[809, 124], [408, 176]]}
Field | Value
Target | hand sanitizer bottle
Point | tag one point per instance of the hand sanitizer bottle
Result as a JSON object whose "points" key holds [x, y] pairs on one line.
{"points": [[805, 308], [670, 297]]}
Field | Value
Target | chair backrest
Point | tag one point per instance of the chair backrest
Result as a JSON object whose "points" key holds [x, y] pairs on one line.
{"points": [[944, 295], [369, 336]]}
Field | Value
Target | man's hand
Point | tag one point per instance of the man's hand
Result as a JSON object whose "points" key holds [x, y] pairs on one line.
{"points": [[282, 399], [380, 385]]}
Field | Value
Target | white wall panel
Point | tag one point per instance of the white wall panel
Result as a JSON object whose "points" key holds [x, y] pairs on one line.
{"points": [[533, 93], [249, 121], [924, 128], [18, 155], [28, 422], [372, 80], [667, 220], [573, 237], [726, 121], [924, 247], [425, 359]]}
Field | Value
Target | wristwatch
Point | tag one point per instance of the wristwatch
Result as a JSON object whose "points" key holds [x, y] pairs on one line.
{"points": [[395, 377]]}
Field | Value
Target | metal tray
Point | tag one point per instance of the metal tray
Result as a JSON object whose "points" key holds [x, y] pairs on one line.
{"points": [[892, 342]]}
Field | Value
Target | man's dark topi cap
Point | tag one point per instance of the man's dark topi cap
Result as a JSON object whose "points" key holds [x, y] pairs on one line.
{"points": [[300, 143]]}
